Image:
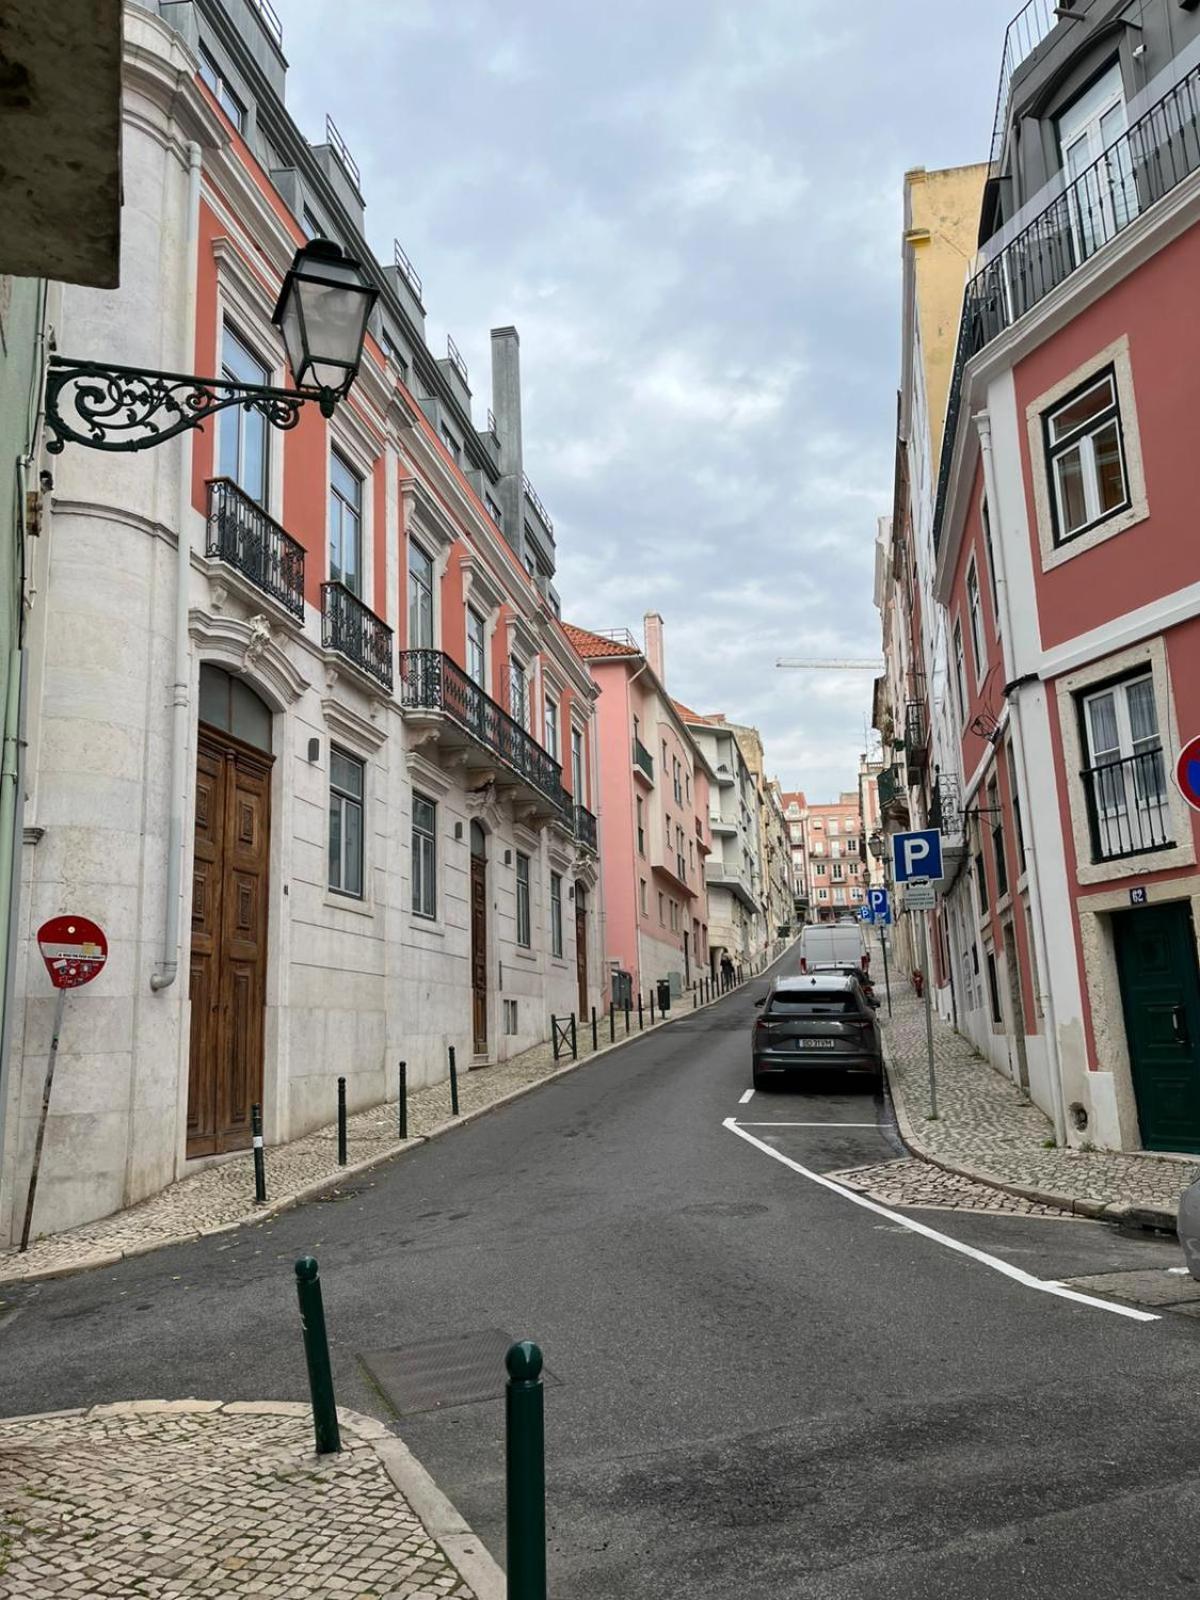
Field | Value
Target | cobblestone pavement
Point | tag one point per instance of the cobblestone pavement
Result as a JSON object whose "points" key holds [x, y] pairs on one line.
{"points": [[988, 1129], [163, 1499], [910, 1182], [222, 1196]]}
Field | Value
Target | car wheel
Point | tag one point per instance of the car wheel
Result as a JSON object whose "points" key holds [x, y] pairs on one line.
{"points": [[758, 1080]]}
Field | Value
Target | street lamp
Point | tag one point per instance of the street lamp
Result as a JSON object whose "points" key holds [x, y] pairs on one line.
{"points": [[876, 846], [322, 317]]}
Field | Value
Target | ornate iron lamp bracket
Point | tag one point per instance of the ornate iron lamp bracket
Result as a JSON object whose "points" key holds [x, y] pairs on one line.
{"points": [[109, 407]]}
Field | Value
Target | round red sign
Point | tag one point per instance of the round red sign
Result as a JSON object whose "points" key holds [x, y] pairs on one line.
{"points": [[1187, 772], [74, 950]]}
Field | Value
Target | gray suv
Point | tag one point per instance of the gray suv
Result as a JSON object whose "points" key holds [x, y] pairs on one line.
{"points": [[818, 1023]]}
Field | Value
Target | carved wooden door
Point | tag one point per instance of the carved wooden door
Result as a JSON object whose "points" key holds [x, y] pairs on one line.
{"points": [[479, 999]]}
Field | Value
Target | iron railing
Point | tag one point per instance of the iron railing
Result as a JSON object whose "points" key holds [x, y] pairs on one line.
{"points": [[585, 828], [455, 357], [241, 534], [535, 500], [916, 739], [1128, 806], [1152, 157], [945, 805], [1035, 21], [353, 629], [431, 681], [642, 758], [405, 268]]}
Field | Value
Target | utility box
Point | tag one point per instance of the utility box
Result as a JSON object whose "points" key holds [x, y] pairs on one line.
{"points": [[664, 995]]}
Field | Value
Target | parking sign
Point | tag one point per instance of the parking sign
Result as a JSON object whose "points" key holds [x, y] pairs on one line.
{"points": [[917, 855], [880, 905]]}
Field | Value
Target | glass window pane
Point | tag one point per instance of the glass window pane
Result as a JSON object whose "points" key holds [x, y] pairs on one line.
{"points": [[345, 480], [423, 814], [1143, 715], [250, 719], [335, 842], [1072, 501], [1110, 471], [1082, 409], [1102, 726], [214, 697], [353, 820], [346, 773]]}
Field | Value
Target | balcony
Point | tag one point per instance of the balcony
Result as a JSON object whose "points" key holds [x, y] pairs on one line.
{"points": [[469, 719], [643, 761], [916, 740], [354, 631], [1129, 807], [585, 829], [241, 534], [719, 875]]}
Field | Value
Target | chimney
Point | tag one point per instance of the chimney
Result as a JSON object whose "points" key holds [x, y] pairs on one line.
{"points": [[506, 407], [652, 628]]}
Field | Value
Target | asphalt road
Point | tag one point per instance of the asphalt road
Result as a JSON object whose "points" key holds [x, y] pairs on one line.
{"points": [[761, 1389]]}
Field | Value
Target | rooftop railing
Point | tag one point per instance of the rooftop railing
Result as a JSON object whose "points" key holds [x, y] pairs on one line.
{"points": [[342, 150]]}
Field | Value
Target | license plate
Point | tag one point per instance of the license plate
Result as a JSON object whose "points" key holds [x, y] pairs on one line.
{"points": [[816, 1044]]}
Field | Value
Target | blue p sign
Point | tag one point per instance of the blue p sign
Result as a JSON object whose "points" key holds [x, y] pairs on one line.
{"points": [[917, 855], [877, 900]]}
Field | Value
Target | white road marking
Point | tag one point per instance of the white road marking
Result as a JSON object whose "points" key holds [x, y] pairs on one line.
{"points": [[746, 1098], [1044, 1285], [1178, 1272], [814, 1125]]}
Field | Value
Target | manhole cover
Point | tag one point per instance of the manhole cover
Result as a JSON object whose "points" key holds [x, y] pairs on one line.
{"points": [[435, 1373]]}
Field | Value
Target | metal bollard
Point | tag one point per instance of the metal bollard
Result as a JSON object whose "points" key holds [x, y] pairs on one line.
{"points": [[525, 1473], [341, 1122], [316, 1354], [612, 1023], [574, 1040], [260, 1168], [595, 1040], [554, 1035], [404, 1099], [627, 1019], [453, 1083], [652, 1008], [695, 996], [639, 1011]]}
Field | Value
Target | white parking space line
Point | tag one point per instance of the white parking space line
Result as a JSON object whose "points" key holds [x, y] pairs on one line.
{"points": [[810, 1125], [1044, 1285], [746, 1098]]}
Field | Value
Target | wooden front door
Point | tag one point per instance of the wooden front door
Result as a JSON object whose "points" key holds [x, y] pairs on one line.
{"points": [[479, 997], [229, 942], [581, 951], [1160, 993]]}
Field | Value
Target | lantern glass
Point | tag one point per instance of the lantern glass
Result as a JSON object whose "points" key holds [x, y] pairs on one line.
{"points": [[322, 315]]}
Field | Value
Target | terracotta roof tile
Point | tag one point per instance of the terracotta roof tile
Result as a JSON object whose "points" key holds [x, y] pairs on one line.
{"points": [[594, 645]]}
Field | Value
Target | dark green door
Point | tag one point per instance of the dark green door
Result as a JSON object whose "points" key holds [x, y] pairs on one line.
{"points": [[1160, 991]]}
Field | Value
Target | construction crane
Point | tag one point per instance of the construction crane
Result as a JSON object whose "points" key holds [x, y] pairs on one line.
{"points": [[790, 664]]}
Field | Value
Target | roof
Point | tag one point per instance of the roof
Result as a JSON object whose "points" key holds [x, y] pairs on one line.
{"points": [[594, 646], [820, 980]]}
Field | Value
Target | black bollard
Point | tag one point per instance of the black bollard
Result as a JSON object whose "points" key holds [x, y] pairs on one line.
{"points": [[627, 1019], [652, 1008], [525, 1473], [639, 1011], [260, 1168], [554, 1035], [574, 1040], [341, 1122], [453, 1083], [404, 1099], [612, 1023], [595, 1040], [695, 996], [316, 1354]]}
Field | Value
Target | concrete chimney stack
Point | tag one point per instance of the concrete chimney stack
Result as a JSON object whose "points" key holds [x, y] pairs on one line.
{"points": [[652, 628], [506, 407]]}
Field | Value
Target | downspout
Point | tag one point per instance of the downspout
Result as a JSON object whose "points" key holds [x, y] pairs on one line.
{"points": [[983, 424], [168, 966]]}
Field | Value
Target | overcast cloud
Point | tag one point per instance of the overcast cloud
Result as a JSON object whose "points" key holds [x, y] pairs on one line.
{"points": [[692, 215]]}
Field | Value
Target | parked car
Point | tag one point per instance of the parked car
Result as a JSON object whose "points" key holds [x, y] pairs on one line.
{"points": [[847, 970], [822, 1022], [830, 944]]}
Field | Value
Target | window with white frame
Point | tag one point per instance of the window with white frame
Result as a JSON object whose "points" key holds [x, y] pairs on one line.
{"points": [[577, 789], [1097, 163], [641, 827], [839, 897], [424, 856], [346, 784], [518, 692], [822, 894], [552, 727], [420, 598], [213, 75], [452, 445], [476, 648], [833, 824], [837, 870], [1085, 458], [975, 618], [1126, 777], [242, 432], [345, 524], [524, 925], [494, 511], [556, 920], [960, 672]]}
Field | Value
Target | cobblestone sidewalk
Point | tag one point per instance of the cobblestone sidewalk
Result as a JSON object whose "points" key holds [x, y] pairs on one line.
{"points": [[161, 1499], [989, 1131], [910, 1182]]}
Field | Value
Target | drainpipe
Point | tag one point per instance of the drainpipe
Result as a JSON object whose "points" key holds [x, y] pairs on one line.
{"points": [[983, 424], [168, 966]]}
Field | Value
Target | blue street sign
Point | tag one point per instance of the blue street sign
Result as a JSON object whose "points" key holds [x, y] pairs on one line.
{"points": [[880, 905], [866, 914], [917, 855]]}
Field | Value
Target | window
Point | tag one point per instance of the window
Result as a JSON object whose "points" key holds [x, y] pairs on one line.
{"points": [[674, 916], [822, 894], [510, 1016], [345, 524], [214, 77], [985, 517], [996, 819], [577, 788], [839, 897], [1104, 197], [1085, 457], [552, 727], [994, 989], [837, 871], [424, 857], [833, 824], [346, 774], [452, 445], [975, 618], [518, 694], [524, 933], [315, 229], [420, 598], [476, 648], [242, 434], [661, 908], [960, 673], [1018, 830], [556, 922], [644, 901], [1126, 779], [641, 827], [494, 511]]}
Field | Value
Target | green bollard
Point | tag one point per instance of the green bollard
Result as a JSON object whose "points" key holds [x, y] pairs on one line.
{"points": [[525, 1473], [316, 1354]]}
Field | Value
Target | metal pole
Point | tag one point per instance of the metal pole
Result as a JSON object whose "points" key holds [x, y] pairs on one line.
{"points": [[887, 982], [260, 1169], [627, 1019], [341, 1122], [404, 1099], [595, 1040], [453, 1083], [525, 1473], [652, 1008], [316, 1354], [695, 996], [60, 1000], [612, 1023], [639, 1011], [928, 988], [574, 1040], [554, 1035]]}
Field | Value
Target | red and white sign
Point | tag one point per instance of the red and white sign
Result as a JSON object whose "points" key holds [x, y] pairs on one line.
{"points": [[1187, 772], [74, 950]]}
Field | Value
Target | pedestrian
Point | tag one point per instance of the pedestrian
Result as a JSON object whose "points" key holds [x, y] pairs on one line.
{"points": [[727, 971]]}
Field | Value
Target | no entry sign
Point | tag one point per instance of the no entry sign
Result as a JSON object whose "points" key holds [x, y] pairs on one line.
{"points": [[74, 950], [1187, 772]]}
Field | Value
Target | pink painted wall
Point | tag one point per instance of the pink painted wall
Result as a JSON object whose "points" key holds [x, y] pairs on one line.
{"points": [[614, 731]]}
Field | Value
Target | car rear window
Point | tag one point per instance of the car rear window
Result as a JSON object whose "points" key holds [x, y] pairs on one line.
{"points": [[838, 1003]]}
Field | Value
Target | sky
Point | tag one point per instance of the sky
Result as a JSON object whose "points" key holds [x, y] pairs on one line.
{"points": [[692, 214]]}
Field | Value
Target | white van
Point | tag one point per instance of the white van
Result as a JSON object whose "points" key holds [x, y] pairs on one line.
{"points": [[833, 944]]}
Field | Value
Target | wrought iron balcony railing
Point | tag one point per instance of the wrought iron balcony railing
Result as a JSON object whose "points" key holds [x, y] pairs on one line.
{"points": [[241, 534], [354, 631], [1128, 805], [643, 759], [585, 828], [431, 681], [916, 738]]}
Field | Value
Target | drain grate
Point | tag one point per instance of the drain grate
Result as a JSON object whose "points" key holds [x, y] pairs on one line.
{"points": [[432, 1374]]}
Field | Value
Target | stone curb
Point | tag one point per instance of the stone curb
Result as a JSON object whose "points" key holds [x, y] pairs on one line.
{"points": [[1098, 1210], [441, 1520], [273, 1208]]}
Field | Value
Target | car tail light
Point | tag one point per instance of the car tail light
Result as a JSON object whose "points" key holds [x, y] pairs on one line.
{"points": [[803, 964]]}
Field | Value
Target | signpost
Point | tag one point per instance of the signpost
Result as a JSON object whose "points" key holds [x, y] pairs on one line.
{"points": [[879, 904], [917, 859], [1187, 772], [74, 950]]}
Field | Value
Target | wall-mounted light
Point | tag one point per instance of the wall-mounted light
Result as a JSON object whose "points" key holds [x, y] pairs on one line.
{"points": [[458, 830], [314, 750], [508, 858]]}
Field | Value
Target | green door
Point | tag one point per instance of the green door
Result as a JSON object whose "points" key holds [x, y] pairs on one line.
{"points": [[1160, 991]]}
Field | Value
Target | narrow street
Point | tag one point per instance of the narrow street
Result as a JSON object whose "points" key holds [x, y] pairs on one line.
{"points": [[758, 1386]]}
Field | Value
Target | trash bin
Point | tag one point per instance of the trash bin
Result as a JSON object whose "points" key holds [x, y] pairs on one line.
{"points": [[664, 995]]}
